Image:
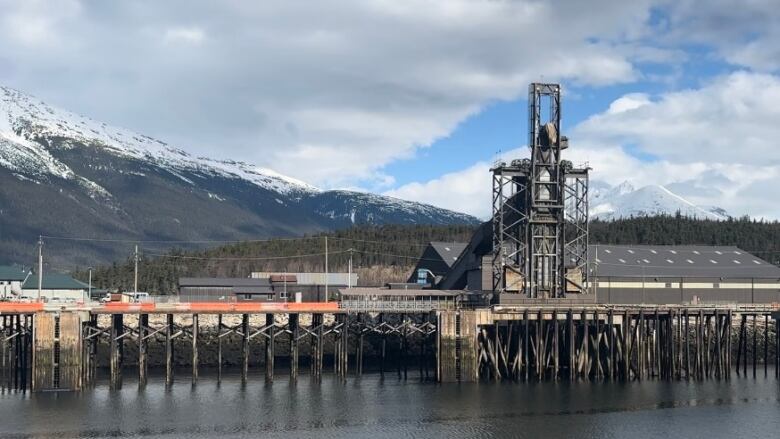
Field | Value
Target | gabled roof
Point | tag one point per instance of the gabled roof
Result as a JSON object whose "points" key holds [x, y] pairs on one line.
{"points": [[12, 273], [228, 282], [449, 251], [54, 281], [678, 261]]}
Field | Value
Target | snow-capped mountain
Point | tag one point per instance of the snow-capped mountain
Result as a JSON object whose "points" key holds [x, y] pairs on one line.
{"points": [[625, 201], [65, 174]]}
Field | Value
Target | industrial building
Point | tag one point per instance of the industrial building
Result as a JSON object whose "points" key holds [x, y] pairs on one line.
{"points": [[681, 274], [653, 274], [56, 287], [265, 287], [11, 280], [436, 261]]}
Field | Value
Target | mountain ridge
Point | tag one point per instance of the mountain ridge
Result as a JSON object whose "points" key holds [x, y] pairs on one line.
{"points": [[68, 175], [625, 201]]}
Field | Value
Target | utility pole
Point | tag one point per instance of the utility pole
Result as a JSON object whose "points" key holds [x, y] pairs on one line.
{"points": [[326, 269], [349, 279], [135, 283], [40, 266], [89, 298]]}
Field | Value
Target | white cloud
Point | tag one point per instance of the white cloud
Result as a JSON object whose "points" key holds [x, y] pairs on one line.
{"points": [[715, 145], [463, 191], [187, 35], [742, 32], [328, 91]]}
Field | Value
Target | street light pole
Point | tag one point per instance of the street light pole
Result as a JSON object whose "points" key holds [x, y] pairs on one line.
{"points": [[326, 268], [135, 283], [89, 297], [349, 278], [40, 267]]}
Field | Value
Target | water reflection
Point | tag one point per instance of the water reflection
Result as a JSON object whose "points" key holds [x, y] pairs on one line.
{"points": [[391, 408]]}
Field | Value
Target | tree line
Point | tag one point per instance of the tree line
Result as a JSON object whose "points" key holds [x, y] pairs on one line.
{"points": [[383, 254]]}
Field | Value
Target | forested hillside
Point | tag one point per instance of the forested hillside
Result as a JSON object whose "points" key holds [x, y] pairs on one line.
{"points": [[380, 254], [388, 253]]}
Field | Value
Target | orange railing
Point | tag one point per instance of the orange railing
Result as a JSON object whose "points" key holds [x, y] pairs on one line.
{"points": [[20, 307], [215, 307]]}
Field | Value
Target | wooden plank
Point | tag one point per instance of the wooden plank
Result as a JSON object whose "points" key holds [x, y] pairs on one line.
{"points": [[43, 352], [70, 351]]}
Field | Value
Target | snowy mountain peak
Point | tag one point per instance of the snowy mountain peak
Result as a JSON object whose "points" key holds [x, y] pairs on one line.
{"points": [[25, 121], [623, 201], [67, 175]]}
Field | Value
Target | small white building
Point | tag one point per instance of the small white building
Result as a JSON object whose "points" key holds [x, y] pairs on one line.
{"points": [[56, 287], [11, 280]]}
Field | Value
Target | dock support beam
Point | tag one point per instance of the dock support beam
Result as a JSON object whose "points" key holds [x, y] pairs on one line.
{"points": [[270, 342], [315, 360], [117, 344], [244, 347], [169, 350], [294, 336], [195, 359], [219, 349], [143, 324]]}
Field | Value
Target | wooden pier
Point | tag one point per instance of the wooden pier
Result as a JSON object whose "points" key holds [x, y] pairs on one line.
{"points": [[58, 349]]}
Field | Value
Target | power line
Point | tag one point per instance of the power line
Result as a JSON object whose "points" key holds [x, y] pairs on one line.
{"points": [[266, 258], [161, 241]]}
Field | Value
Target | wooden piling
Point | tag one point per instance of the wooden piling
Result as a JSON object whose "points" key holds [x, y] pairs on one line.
{"points": [[718, 345], [585, 348], [244, 347], [766, 345], [315, 360], [169, 350], [294, 337], [755, 344], [555, 347], [3, 356], [117, 341], [359, 349], [597, 347], [143, 325], [741, 342], [625, 332], [612, 347], [383, 349], [729, 324], [270, 343], [195, 358], [570, 344], [526, 343], [777, 346], [219, 348]]}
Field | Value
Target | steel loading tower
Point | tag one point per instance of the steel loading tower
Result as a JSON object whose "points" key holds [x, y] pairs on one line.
{"points": [[540, 210]]}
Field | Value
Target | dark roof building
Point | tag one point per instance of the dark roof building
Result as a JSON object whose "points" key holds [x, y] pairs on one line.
{"points": [[438, 258], [211, 289], [625, 274], [54, 281], [13, 274], [663, 261]]}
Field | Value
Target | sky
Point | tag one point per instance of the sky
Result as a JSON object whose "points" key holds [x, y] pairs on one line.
{"points": [[416, 99]]}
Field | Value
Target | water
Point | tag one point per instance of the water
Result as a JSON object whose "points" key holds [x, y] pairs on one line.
{"points": [[377, 408]]}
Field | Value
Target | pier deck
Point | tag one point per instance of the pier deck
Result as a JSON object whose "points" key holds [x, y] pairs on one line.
{"points": [[55, 347]]}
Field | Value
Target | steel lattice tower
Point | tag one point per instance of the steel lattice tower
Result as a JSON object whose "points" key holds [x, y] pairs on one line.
{"points": [[540, 210]]}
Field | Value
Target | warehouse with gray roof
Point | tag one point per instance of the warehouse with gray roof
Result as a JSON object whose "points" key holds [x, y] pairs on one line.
{"points": [[636, 274]]}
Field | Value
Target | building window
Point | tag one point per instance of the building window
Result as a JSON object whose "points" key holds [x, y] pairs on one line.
{"points": [[284, 295], [247, 297]]}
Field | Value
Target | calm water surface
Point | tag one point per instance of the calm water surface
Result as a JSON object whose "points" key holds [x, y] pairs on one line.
{"points": [[377, 408]]}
